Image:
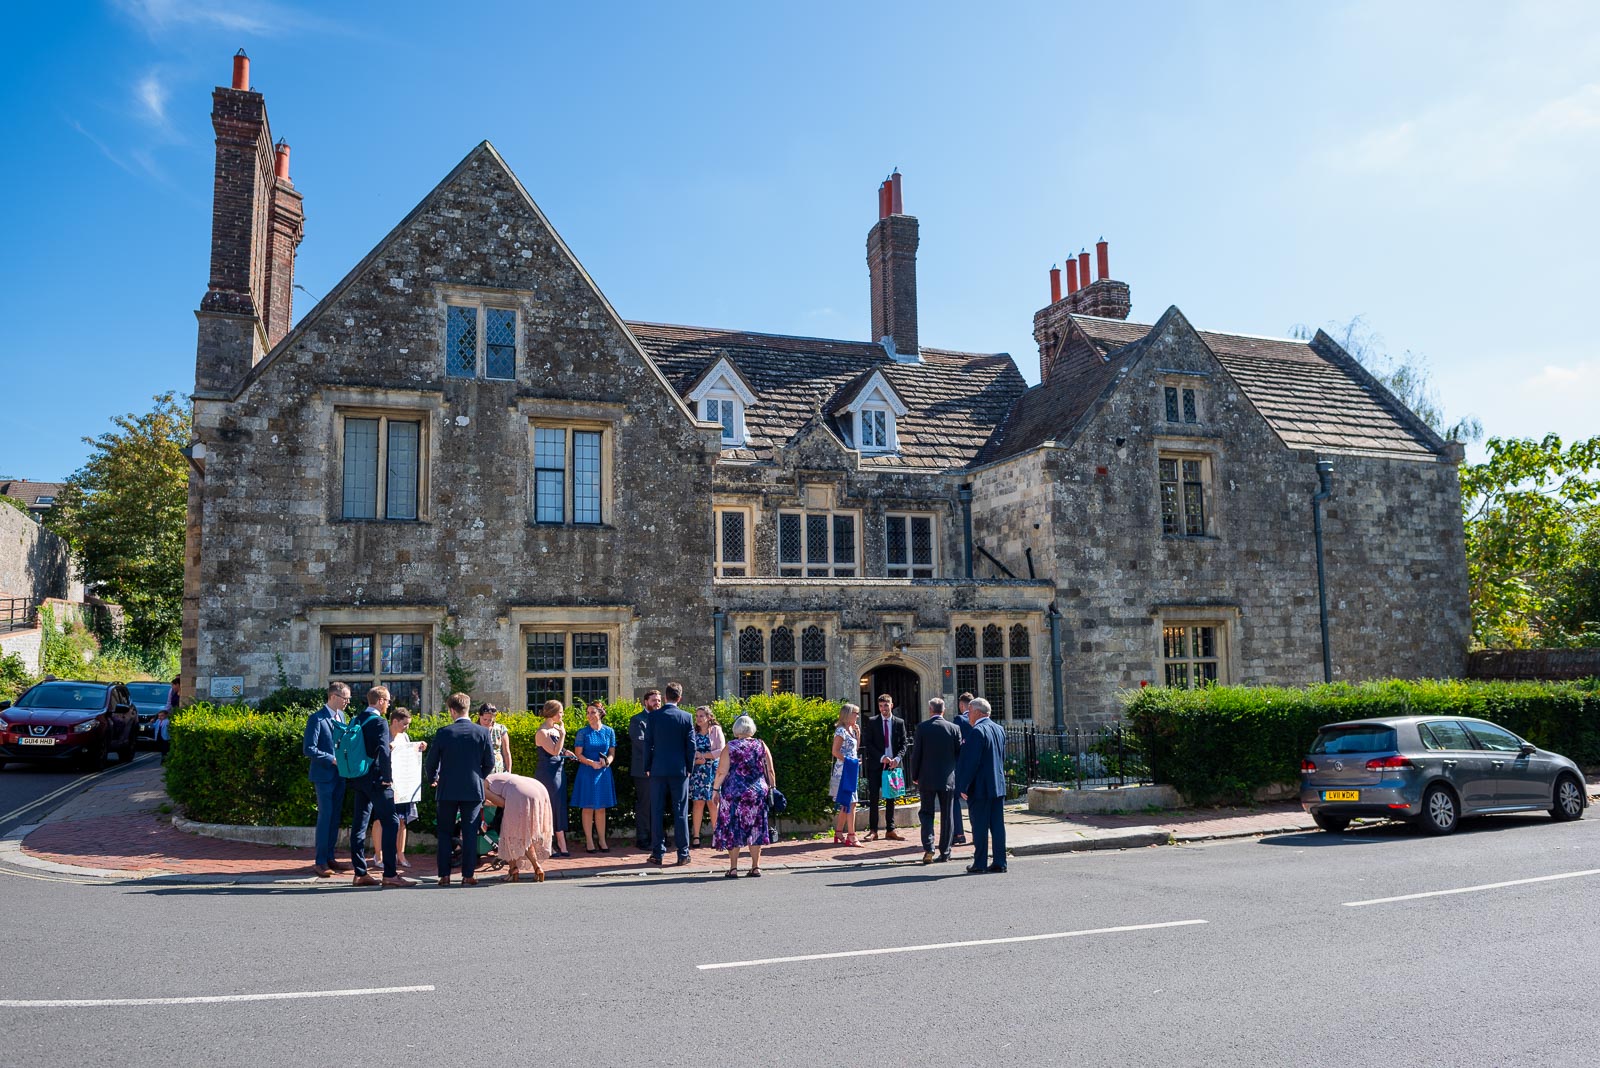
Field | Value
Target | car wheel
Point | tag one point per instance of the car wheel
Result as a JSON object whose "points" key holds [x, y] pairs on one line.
{"points": [[1440, 812], [1569, 799], [1331, 824], [94, 759], [125, 754]]}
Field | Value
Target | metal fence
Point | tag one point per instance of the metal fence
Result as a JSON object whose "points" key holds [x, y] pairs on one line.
{"points": [[18, 613], [1081, 757]]}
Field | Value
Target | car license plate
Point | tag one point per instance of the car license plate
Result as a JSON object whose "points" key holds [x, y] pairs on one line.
{"points": [[37, 741], [1341, 795]]}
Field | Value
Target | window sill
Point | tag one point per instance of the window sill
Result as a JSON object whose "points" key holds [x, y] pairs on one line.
{"points": [[1191, 537], [569, 526], [419, 522]]}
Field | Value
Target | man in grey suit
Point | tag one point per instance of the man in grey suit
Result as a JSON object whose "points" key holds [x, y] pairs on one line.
{"points": [[933, 768], [460, 758], [981, 778]]}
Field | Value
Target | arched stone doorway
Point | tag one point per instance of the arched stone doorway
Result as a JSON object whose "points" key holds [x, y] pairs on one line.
{"points": [[901, 683]]}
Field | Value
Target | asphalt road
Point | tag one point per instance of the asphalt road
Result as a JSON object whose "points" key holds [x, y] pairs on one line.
{"points": [[1283, 970], [31, 791]]}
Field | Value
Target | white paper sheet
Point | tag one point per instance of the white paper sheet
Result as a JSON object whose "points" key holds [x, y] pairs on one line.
{"points": [[406, 759]]}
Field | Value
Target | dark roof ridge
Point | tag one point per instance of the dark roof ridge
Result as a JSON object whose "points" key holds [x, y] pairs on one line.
{"points": [[806, 337]]}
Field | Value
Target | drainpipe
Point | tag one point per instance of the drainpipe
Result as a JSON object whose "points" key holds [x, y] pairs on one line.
{"points": [[719, 620], [1058, 698], [1325, 481], [964, 495]]}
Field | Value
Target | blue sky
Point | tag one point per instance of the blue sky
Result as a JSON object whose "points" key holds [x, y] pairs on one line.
{"points": [[1429, 167]]}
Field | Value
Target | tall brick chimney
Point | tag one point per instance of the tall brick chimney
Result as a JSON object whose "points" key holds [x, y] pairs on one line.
{"points": [[1104, 297], [892, 264], [256, 224]]}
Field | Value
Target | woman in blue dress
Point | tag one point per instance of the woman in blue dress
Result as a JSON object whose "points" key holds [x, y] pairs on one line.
{"points": [[550, 770], [593, 790], [708, 747]]}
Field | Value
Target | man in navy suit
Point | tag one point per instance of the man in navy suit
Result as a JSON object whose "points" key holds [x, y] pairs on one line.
{"points": [[460, 758], [669, 754], [981, 779], [322, 730], [933, 768]]}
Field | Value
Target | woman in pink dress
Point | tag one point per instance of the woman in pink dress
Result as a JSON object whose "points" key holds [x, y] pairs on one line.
{"points": [[526, 829]]}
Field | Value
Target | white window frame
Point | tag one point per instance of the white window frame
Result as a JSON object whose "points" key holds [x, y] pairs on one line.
{"points": [[482, 304], [874, 397], [723, 385], [910, 568]]}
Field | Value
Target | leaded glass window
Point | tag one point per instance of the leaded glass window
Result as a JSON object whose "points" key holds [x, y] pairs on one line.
{"points": [[813, 645], [352, 654], [1019, 640], [966, 643], [732, 543], [549, 474], [814, 682], [1191, 412], [570, 666], [1183, 496], [993, 645], [782, 645], [750, 646], [405, 441], [1171, 393], [1021, 691], [461, 342], [586, 476], [547, 651], [402, 654], [751, 683], [1191, 654], [1004, 657], [500, 343], [591, 651], [382, 467], [394, 659], [783, 680], [789, 545], [824, 542], [360, 469]]}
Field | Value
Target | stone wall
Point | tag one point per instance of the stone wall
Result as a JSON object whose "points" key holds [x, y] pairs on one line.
{"points": [[34, 563], [1395, 558], [279, 569]]}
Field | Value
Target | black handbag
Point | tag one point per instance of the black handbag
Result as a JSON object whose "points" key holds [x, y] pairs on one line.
{"points": [[776, 802]]}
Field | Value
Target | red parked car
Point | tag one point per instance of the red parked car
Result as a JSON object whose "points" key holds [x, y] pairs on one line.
{"points": [[77, 721]]}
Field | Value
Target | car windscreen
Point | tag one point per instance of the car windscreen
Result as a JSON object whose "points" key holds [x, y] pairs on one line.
{"points": [[84, 695], [149, 696], [1368, 738]]}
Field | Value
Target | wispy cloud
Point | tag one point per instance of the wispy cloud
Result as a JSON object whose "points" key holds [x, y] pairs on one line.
{"points": [[158, 15], [150, 92], [1555, 376]]}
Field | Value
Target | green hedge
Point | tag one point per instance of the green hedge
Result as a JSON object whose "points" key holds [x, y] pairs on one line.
{"points": [[231, 764], [1223, 743]]}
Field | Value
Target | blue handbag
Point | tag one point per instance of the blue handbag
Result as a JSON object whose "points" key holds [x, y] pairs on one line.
{"points": [[849, 779]]}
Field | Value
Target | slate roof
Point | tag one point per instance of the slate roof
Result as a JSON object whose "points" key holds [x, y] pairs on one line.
{"points": [[1311, 400], [30, 492], [955, 399]]}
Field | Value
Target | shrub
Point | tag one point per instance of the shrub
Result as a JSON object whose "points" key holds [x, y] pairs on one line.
{"points": [[14, 676], [305, 699], [1223, 743], [233, 764]]}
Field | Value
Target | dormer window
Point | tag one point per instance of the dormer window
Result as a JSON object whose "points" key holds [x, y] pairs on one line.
{"points": [[721, 396], [875, 429], [871, 415]]}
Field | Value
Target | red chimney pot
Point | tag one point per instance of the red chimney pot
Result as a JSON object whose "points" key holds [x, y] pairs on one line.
{"points": [[1083, 270], [1072, 275], [883, 199], [1103, 254], [283, 160], [241, 70], [897, 206], [1055, 284]]}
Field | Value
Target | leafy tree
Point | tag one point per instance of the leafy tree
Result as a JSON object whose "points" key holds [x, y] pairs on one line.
{"points": [[19, 505], [123, 512], [1532, 512], [1406, 376]]}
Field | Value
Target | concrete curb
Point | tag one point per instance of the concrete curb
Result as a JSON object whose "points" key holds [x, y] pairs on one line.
{"points": [[1085, 841]]}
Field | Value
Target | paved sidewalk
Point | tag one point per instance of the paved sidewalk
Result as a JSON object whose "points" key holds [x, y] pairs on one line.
{"points": [[117, 830]]}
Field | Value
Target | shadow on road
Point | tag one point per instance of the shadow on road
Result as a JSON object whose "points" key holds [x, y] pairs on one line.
{"points": [[1379, 834]]}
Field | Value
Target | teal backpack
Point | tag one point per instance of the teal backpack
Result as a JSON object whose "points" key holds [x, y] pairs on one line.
{"points": [[350, 749]]}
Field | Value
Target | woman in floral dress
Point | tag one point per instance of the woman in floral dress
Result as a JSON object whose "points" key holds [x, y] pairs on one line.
{"points": [[743, 780], [708, 747], [846, 765]]}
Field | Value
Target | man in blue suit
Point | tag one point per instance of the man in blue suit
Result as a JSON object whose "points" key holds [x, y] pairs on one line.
{"points": [[460, 758], [981, 779], [669, 754], [322, 730]]}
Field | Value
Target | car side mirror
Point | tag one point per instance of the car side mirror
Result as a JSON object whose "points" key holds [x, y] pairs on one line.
{"points": [[4, 705], [1528, 749]]}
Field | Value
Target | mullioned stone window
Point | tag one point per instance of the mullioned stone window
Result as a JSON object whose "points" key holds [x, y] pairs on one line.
{"points": [[480, 341], [572, 666], [771, 665], [394, 659], [382, 465], [909, 546], [996, 663], [1184, 481], [818, 545], [570, 464]]}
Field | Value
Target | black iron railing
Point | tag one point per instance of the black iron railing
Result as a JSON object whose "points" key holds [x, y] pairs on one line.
{"points": [[1081, 757], [18, 613]]}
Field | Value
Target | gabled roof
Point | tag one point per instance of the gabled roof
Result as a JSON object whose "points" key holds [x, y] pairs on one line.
{"points": [[861, 389], [953, 399], [1313, 394], [30, 492]]}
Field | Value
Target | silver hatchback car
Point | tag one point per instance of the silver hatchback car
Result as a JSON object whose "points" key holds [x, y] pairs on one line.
{"points": [[1431, 771]]}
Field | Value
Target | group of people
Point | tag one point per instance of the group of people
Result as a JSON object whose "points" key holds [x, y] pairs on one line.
{"points": [[950, 763], [677, 759]]}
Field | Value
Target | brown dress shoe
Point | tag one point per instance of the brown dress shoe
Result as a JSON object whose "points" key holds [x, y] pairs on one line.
{"points": [[322, 873], [470, 880], [894, 836], [401, 880], [927, 858], [873, 837], [365, 880], [337, 868], [444, 880]]}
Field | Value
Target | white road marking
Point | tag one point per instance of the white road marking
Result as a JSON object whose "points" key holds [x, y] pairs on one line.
{"points": [[943, 945], [1472, 889], [78, 783], [94, 1003]]}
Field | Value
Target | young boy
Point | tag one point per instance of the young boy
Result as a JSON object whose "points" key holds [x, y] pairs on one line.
{"points": [[405, 811]]}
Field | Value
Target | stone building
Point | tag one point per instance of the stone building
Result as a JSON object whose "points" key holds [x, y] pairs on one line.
{"points": [[465, 451]]}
